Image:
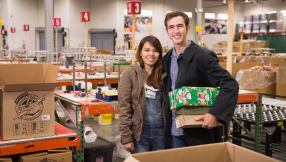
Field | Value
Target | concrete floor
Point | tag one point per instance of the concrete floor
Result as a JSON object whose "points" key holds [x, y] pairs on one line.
{"points": [[108, 132]]}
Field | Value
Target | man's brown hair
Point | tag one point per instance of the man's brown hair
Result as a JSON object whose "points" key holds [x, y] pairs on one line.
{"points": [[176, 14]]}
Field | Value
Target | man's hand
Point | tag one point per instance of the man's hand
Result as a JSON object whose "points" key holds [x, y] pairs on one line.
{"points": [[129, 146], [210, 121]]}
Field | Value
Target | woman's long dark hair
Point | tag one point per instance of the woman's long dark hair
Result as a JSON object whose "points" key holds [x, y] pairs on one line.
{"points": [[154, 79]]}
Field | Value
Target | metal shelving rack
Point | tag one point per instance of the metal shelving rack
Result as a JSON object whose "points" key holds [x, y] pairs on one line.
{"points": [[237, 126], [63, 138], [79, 153], [272, 118], [83, 109], [30, 54], [94, 109]]}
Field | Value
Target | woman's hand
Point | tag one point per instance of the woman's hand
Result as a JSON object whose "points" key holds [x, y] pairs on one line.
{"points": [[129, 146]]}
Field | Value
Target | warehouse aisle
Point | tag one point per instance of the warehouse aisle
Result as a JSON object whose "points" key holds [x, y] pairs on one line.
{"points": [[108, 132]]}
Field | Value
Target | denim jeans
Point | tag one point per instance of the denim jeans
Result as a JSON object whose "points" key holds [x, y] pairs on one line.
{"points": [[152, 136], [178, 141]]}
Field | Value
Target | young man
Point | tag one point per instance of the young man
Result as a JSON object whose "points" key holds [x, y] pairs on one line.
{"points": [[188, 64]]}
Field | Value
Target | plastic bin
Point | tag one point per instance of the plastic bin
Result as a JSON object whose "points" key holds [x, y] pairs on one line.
{"points": [[69, 60], [105, 119], [95, 117], [99, 150]]}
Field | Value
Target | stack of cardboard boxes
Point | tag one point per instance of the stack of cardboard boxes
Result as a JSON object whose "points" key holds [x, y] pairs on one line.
{"points": [[245, 46], [99, 67], [27, 100], [123, 65], [246, 64], [190, 103], [269, 82]]}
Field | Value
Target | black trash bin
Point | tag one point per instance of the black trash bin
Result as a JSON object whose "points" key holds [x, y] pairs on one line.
{"points": [[99, 150], [69, 61]]}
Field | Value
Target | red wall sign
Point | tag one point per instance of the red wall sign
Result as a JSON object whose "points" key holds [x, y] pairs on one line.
{"points": [[134, 7], [84, 16]]}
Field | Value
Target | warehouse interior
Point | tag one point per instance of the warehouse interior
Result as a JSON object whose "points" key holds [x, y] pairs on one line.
{"points": [[65, 59]]}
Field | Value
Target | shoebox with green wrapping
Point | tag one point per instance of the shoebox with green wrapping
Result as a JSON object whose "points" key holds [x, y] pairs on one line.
{"points": [[193, 96]]}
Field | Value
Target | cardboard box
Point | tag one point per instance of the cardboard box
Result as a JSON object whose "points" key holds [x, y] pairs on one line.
{"points": [[192, 110], [258, 81], [235, 49], [115, 116], [278, 61], [93, 51], [6, 159], [100, 69], [60, 155], [238, 66], [222, 44], [281, 82], [188, 121], [104, 51], [261, 44], [219, 152], [193, 96], [122, 68], [27, 100], [236, 44]]}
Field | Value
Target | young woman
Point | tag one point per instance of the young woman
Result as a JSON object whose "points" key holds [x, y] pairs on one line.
{"points": [[140, 96]]}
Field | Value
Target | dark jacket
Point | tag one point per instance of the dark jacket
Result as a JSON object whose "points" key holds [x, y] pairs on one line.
{"points": [[198, 67], [131, 91]]}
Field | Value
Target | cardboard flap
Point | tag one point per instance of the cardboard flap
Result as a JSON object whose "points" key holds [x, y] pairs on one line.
{"points": [[131, 159], [229, 152], [6, 159], [29, 87], [34, 154], [51, 72], [21, 73], [244, 154]]}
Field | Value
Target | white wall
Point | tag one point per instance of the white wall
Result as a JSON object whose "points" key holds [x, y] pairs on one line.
{"points": [[218, 7], [263, 7], [16, 13], [110, 14]]}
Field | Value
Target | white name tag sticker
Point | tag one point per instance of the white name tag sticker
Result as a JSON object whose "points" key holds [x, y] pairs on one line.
{"points": [[150, 94], [45, 117], [177, 124]]}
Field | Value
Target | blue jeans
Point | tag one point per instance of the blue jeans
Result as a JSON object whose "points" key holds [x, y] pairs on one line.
{"points": [[178, 141], [153, 135]]}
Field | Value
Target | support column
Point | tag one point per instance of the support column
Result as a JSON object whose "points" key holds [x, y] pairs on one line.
{"points": [[49, 31], [230, 35], [199, 17]]}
